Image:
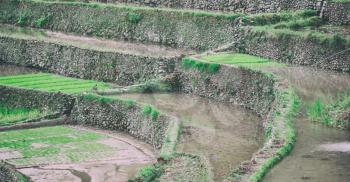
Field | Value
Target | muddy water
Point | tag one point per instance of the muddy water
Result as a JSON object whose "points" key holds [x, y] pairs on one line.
{"points": [[6, 70], [321, 153], [224, 134]]}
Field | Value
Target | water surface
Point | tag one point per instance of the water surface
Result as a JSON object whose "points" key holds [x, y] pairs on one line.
{"points": [[224, 134], [320, 153]]}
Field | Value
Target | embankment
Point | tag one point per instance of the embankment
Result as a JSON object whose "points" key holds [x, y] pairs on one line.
{"points": [[175, 28]]}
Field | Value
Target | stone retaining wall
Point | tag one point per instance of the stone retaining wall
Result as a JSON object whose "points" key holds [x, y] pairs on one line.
{"points": [[249, 88], [248, 6], [9, 174], [123, 69], [55, 102], [296, 49], [175, 28], [121, 117], [337, 13]]}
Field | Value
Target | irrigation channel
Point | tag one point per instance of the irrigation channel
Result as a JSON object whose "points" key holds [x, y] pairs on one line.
{"points": [[321, 153]]}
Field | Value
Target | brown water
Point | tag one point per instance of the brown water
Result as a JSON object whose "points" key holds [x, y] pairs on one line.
{"points": [[6, 70], [321, 153], [224, 134]]}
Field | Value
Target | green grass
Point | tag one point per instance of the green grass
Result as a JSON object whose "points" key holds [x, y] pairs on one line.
{"points": [[243, 60], [10, 116], [53, 141], [331, 114], [189, 63], [52, 83], [149, 173]]}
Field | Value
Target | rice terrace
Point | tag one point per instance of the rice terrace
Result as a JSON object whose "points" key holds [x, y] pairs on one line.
{"points": [[175, 90]]}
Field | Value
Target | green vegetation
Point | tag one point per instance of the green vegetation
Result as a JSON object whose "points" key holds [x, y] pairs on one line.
{"points": [[52, 83], [290, 100], [335, 41], [41, 22], [243, 60], [134, 17], [148, 110], [52, 141], [149, 173], [334, 114], [23, 18], [189, 63], [17, 115], [273, 18]]}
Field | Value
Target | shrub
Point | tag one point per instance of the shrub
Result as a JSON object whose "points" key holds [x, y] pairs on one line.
{"points": [[41, 22], [154, 114], [150, 173], [147, 110], [23, 18], [130, 102], [134, 17]]}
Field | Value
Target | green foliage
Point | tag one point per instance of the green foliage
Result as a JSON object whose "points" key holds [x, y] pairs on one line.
{"points": [[150, 173], [99, 99], [147, 110], [130, 102], [211, 68], [244, 60], [134, 17], [52, 83], [53, 139], [154, 114], [10, 116], [41, 22], [23, 18], [331, 114]]}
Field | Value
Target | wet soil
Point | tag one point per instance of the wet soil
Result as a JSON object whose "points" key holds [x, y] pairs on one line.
{"points": [[321, 153], [126, 47], [224, 134], [7, 70], [121, 163]]}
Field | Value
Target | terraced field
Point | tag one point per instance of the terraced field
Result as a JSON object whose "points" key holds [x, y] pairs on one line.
{"points": [[61, 150], [9, 116], [52, 83]]}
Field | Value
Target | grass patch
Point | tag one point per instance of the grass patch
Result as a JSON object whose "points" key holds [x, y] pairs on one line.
{"points": [[10, 116], [53, 141], [149, 173], [333, 114], [189, 63], [52, 83], [239, 59]]}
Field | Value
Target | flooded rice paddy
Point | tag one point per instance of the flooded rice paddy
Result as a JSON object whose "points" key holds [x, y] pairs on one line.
{"points": [[224, 134], [321, 153]]}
